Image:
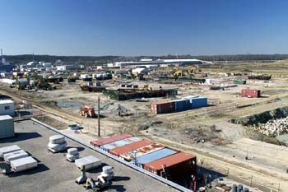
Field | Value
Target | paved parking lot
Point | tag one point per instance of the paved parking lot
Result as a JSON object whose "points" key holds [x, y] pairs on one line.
{"points": [[54, 173]]}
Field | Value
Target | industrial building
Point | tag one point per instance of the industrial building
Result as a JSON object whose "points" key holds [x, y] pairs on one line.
{"points": [[6, 126], [7, 107], [68, 67], [156, 63]]}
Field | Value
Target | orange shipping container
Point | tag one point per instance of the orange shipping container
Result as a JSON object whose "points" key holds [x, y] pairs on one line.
{"points": [[112, 139], [130, 147], [163, 107], [177, 165]]}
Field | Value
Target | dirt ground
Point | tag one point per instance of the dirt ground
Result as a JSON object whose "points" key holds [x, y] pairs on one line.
{"points": [[224, 143]]}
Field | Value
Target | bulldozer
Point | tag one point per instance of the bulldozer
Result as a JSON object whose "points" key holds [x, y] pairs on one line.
{"points": [[87, 111]]}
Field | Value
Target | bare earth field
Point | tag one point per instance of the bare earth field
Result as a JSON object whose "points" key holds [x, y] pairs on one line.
{"points": [[225, 145]]}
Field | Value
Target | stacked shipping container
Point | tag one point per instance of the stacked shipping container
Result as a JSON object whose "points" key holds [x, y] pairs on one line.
{"points": [[119, 143], [159, 154], [112, 139], [141, 151], [177, 165], [130, 147], [150, 156]]}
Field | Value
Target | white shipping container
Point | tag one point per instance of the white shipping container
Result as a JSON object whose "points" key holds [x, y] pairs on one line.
{"points": [[88, 163], [6, 126], [23, 164], [16, 156], [8, 149]]}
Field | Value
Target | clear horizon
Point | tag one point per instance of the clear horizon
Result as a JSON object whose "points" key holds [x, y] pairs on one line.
{"points": [[143, 28]]}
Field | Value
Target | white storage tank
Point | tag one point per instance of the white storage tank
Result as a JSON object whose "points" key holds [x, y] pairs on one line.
{"points": [[6, 127], [7, 107]]}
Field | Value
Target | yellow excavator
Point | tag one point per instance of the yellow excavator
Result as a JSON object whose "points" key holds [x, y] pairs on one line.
{"points": [[146, 88], [189, 71]]}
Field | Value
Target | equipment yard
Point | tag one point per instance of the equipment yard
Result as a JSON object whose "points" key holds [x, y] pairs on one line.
{"points": [[223, 135]]}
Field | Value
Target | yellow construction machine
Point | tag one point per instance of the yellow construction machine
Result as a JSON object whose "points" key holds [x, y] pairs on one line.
{"points": [[146, 88]]}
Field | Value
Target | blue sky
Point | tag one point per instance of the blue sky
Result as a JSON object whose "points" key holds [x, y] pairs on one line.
{"points": [[143, 27]]}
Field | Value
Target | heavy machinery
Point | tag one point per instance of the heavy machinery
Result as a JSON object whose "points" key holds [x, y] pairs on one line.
{"points": [[189, 71], [146, 88], [87, 111]]}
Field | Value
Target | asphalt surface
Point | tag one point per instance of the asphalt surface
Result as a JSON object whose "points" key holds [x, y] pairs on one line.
{"points": [[54, 173]]}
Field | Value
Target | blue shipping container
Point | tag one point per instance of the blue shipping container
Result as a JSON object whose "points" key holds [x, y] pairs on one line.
{"points": [[181, 105], [159, 154], [198, 102]]}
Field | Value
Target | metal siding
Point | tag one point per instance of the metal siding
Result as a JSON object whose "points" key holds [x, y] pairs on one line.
{"points": [[112, 139], [120, 143], [141, 151], [130, 147], [199, 102], [178, 165], [154, 156], [11, 110], [6, 128], [181, 105]]}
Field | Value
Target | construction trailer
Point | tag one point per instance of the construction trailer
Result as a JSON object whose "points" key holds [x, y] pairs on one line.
{"points": [[6, 127]]}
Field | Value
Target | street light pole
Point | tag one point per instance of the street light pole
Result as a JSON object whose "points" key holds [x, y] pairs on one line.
{"points": [[98, 116]]}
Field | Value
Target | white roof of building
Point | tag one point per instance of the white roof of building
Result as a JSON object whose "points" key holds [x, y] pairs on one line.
{"points": [[6, 101], [5, 117], [179, 60]]}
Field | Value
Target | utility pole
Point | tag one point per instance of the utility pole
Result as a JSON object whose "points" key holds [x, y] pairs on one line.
{"points": [[98, 116]]}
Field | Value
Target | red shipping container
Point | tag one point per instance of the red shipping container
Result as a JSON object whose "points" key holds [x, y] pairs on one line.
{"points": [[176, 165], [251, 93], [163, 107], [112, 139], [130, 147]]}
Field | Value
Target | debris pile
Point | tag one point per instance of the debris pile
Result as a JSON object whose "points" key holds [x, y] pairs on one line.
{"points": [[273, 127]]}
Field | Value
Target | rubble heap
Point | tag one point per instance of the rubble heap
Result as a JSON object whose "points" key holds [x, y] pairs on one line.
{"points": [[273, 127]]}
